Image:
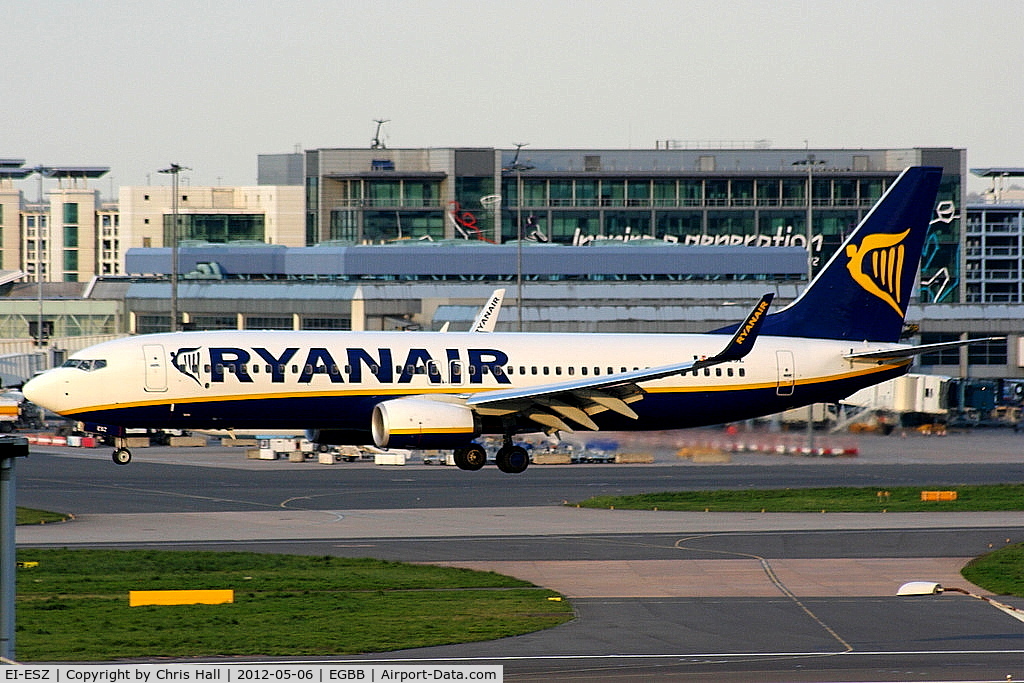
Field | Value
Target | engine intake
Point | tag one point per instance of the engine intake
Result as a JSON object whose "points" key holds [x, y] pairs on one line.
{"points": [[422, 423]]}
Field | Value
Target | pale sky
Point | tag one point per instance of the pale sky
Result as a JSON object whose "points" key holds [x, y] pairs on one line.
{"points": [[212, 84]]}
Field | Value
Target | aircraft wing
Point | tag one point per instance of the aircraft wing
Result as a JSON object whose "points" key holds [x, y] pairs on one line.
{"points": [[911, 351], [576, 400]]}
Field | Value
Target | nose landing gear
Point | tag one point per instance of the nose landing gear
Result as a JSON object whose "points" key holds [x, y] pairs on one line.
{"points": [[121, 454]]}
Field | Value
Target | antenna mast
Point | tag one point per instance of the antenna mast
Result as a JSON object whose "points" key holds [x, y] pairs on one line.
{"points": [[376, 143]]}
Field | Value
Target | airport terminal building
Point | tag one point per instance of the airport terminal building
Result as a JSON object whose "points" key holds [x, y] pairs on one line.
{"points": [[729, 197]]}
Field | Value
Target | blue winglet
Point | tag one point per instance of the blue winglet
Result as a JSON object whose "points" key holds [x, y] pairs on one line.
{"points": [[743, 340]]}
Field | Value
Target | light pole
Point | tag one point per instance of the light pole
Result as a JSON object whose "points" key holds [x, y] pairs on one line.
{"points": [[519, 167], [174, 170], [810, 162], [41, 171]]}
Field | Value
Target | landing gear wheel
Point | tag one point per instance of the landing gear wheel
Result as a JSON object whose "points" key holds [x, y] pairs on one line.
{"points": [[512, 459], [122, 456], [471, 457]]}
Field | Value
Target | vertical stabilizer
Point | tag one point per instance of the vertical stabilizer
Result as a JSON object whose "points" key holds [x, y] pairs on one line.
{"points": [[863, 292]]}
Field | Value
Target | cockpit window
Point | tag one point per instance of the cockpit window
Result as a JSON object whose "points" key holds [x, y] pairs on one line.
{"points": [[88, 365]]}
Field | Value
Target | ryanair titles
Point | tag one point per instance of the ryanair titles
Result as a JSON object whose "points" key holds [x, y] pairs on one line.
{"points": [[219, 364], [752, 322]]}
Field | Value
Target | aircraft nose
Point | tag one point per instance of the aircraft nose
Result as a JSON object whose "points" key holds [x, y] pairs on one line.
{"points": [[44, 390]]}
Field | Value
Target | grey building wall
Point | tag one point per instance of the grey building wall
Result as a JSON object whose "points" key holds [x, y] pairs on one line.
{"points": [[280, 169]]}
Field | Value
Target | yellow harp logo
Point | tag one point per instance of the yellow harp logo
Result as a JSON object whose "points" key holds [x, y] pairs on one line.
{"points": [[882, 273]]}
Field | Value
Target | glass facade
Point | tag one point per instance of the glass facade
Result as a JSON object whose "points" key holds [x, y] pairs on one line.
{"points": [[313, 323], [151, 324], [756, 197], [378, 209], [993, 247], [383, 226], [215, 227], [264, 322], [755, 211], [211, 322]]}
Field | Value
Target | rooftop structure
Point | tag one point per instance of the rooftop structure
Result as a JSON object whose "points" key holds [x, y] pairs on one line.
{"points": [[475, 261]]}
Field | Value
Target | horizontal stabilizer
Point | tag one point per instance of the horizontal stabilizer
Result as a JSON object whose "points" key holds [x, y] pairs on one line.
{"points": [[911, 351]]}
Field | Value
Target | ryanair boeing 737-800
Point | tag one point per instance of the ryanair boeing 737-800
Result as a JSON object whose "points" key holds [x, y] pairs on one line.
{"points": [[443, 390]]}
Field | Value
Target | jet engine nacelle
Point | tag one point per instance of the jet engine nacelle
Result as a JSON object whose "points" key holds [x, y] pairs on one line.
{"points": [[422, 423]]}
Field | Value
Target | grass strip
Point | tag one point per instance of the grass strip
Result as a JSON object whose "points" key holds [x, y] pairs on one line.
{"points": [[1000, 571], [987, 498], [74, 605], [30, 516]]}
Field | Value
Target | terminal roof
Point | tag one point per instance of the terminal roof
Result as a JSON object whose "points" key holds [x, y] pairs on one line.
{"points": [[996, 172], [74, 171]]}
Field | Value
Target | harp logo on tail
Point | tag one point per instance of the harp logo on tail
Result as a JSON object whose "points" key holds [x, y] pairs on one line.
{"points": [[877, 266]]}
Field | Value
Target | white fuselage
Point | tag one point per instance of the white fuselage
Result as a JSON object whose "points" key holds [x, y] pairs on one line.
{"points": [[332, 380]]}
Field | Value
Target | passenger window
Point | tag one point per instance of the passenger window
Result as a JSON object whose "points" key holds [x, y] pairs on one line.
{"points": [[707, 372], [718, 372], [546, 370], [728, 371], [572, 370], [522, 370], [533, 370], [743, 372], [558, 369], [584, 369]]}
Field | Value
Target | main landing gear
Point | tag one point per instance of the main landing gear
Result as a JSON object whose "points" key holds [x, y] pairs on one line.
{"points": [[471, 457], [510, 459]]}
